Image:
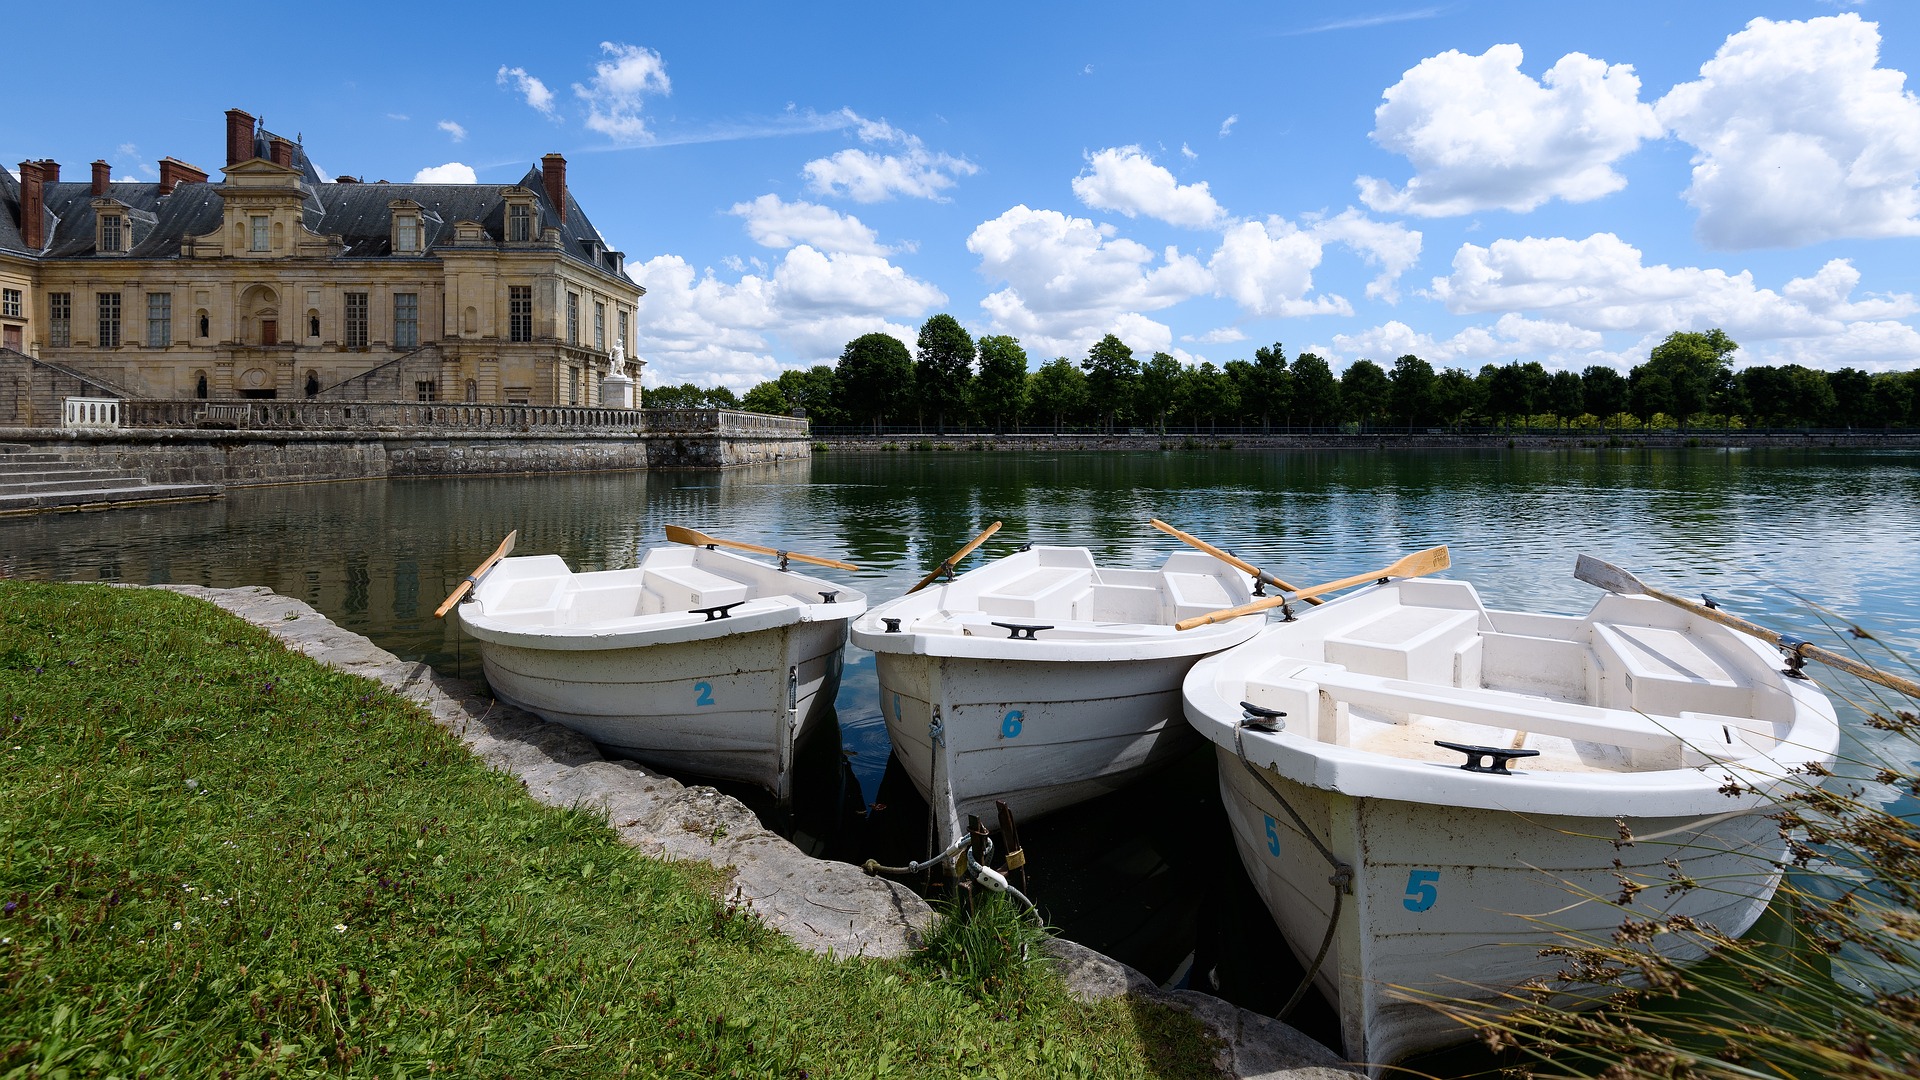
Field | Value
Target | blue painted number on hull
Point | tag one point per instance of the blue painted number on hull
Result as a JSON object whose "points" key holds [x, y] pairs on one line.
{"points": [[1273, 836], [1423, 889], [1010, 727], [703, 693]]}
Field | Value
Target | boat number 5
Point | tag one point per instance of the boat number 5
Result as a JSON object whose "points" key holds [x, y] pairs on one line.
{"points": [[1273, 836], [1010, 727], [703, 693], [1423, 888]]}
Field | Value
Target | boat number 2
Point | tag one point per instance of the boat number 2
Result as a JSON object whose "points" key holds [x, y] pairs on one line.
{"points": [[703, 693], [1423, 888], [1273, 836], [1010, 727]]}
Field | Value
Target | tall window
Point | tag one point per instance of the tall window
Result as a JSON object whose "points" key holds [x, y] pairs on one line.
{"points": [[406, 233], [519, 313], [620, 328], [356, 318], [425, 390], [259, 238], [60, 319], [112, 233], [10, 303], [519, 223], [600, 326], [109, 320], [573, 318], [159, 320], [406, 320]]}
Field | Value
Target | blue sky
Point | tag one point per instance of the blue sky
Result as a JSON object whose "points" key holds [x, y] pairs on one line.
{"points": [[1472, 182]]}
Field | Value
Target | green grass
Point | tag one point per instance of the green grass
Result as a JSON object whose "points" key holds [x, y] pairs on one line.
{"points": [[220, 858]]}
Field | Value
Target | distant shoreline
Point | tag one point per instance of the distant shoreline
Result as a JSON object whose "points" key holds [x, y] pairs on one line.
{"points": [[929, 441]]}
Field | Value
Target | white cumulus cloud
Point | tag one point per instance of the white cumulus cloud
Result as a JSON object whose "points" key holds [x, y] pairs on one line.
{"points": [[1126, 179], [531, 90], [1482, 135], [620, 83], [1267, 269], [454, 130], [453, 172], [775, 223], [1389, 245], [911, 170], [1800, 136]]}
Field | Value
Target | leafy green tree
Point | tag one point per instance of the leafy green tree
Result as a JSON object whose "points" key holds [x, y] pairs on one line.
{"points": [[1153, 395], [1852, 397], [1267, 387], [1458, 397], [1204, 394], [1515, 389], [1650, 393], [1112, 373], [1058, 389], [1696, 370], [766, 398], [1365, 391], [1893, 398], [1413, 391], [1000, 390], [1566, 396], [1604, 391], [1316, 393], [943, 366], [690, 396], [875, 375]]}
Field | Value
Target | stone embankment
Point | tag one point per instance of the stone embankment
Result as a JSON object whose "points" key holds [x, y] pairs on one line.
{"points": [[33, 481], [1395, 440], [828, 907]]}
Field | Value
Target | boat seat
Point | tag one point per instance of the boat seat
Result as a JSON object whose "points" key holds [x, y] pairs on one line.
{"points": [[1654, 739], [1661, 670], [1404, 642], [1046, 593], [1120, 604], [683, 588], [1198, 594]]}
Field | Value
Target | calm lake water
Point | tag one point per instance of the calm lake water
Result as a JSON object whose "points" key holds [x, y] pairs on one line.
{"points": [[1766, 532]]}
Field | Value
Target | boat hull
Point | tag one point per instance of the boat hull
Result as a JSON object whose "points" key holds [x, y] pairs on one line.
{"points": [[731, 708], [1040, 735], [1454, 904]]}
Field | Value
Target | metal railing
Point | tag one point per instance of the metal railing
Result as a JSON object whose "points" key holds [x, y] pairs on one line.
{"points": [[87, 412]]}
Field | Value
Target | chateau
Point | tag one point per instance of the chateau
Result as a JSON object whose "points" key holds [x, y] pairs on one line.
{"points": [[275, 283]]}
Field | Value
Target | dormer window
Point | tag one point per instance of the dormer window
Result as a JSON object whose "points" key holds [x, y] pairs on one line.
{"points": [[406, 233], [113, 234], [259, 233], [519, 223]]}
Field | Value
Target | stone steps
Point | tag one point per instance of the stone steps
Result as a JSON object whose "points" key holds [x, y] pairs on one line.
{"points": [[35, 481]]}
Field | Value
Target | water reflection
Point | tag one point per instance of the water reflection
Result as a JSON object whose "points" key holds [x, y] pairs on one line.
{"points": [[1156, 881]]}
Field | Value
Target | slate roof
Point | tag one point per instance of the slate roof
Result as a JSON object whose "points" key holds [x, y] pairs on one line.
{"points": [[356, 212]]}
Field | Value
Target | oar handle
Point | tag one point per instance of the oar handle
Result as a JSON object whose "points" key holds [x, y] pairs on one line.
{"points": [[680, 534], [479, 572], [1418, 564], [953, 560]]}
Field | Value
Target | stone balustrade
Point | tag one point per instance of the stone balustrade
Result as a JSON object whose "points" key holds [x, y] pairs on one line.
{"points": [[88, 412], [439, 417]]}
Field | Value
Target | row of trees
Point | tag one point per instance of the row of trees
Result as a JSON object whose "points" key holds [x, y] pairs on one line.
{"points": [[951, 380]]}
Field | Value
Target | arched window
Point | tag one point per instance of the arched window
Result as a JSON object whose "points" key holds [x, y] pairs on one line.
{"points": [[203, 327]]}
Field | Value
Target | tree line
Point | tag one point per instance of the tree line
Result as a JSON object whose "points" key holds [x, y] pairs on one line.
{"points": [[950, 381]]}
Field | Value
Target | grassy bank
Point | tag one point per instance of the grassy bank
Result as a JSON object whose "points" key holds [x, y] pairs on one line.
{"points": [[220, 858]]}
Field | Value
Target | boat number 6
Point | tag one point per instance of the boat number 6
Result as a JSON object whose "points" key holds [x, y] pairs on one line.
{"points": [[1273, 836], [1423, 888], [703, 693], [1010, 727]]}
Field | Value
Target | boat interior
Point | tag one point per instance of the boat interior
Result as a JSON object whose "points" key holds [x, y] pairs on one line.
{"points": [[541, 591], [1061, 587], [1632, 686]]}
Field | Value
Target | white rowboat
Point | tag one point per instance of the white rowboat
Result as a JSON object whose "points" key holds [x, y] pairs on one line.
{"points": [[1648, 722], [697, 660], [1041, 678]]}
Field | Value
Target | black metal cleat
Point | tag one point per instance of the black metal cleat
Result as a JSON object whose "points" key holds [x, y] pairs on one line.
{"points": [[1261, 718], [1476, 756], [718, 611], [1021, 631]]}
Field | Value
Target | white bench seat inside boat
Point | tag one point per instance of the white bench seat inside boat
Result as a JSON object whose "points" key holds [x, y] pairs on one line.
{"points": [[683, 588], [1421, 643], [1196, 594], [1108, 603], [1048, 592]]}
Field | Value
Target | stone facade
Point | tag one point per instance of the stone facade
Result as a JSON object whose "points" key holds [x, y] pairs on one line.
{"points": [[275, 284]]}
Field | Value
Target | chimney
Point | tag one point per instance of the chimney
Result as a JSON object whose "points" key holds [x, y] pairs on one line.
{"points": [[553, 170], [282, 151], [33, 206], [239, 136], [102, 175], [174, 172]]}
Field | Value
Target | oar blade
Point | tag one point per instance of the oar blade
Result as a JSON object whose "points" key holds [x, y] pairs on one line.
{"points": [[1607, 576], [680, 534]]}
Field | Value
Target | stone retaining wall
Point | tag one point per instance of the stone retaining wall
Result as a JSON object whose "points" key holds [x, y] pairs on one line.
{"points": [[1376, 441]]}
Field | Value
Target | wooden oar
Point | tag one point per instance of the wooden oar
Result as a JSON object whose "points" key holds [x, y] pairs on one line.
{"points": [[954, 559], [1615, 580], [1239, 564], [681, 535], [480, 571], [1418, 564]]}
